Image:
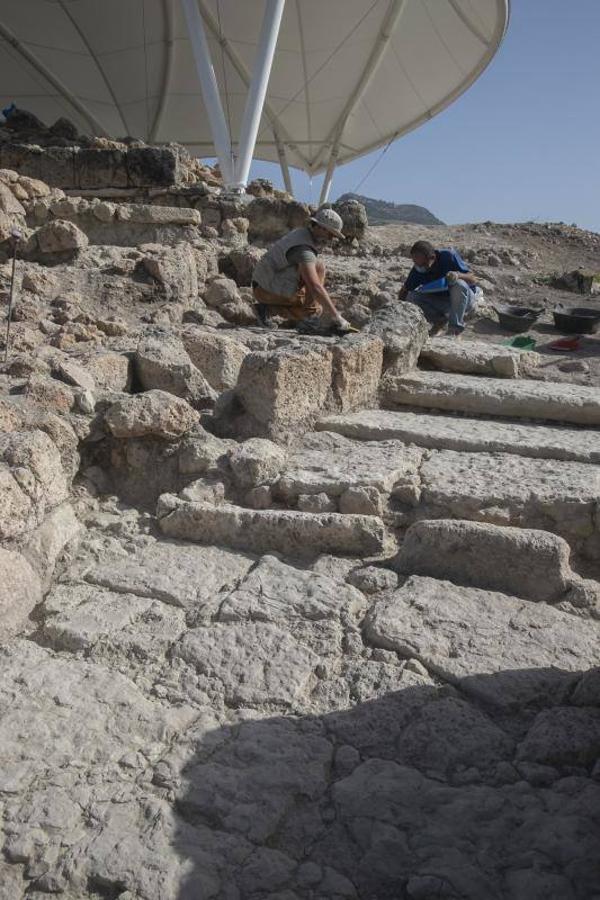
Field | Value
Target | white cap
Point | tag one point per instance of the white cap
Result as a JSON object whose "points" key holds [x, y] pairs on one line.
{"points": [[329, 220]]}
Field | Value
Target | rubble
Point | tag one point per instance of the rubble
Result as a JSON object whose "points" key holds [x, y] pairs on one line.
{"points": [[283, 615]]}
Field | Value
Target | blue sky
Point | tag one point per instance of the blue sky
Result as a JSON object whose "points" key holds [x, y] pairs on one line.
{"points": [[522, 143]]}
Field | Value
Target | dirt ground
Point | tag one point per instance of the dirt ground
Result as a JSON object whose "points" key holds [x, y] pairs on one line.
{"points": [[536, 252]]}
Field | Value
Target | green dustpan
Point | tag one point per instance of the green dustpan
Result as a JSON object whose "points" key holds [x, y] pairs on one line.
{"points": [[521, 342]]}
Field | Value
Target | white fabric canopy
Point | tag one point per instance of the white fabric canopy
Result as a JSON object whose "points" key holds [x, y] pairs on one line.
{"points": [[348, 75]]}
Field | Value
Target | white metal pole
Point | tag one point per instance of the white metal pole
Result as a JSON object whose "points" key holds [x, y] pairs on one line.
{"points": [[283, 163], [258, 89], [327, 181], [209, 87]]}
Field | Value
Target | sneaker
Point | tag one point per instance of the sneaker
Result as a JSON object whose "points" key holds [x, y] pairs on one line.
{"points": [[454, 332], [261, 310]]}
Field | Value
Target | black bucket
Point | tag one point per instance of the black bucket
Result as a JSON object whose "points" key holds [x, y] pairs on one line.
{"points": [[517, 318], [577, 319]]}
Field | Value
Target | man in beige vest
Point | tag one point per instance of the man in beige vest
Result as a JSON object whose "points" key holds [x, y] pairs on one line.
{"points": [[289, 280]]}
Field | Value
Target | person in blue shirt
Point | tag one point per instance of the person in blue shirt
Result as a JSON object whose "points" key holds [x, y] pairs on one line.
{"points": [[450, 305]]}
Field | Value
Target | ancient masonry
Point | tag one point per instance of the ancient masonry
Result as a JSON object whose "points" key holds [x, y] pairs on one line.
{"points": [[281, 617]]}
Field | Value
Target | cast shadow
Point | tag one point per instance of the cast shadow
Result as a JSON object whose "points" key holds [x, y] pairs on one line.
{"points": [[480, 790]]}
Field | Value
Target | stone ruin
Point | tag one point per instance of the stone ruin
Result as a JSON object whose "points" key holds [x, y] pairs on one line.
{"points": [[285, 617]]}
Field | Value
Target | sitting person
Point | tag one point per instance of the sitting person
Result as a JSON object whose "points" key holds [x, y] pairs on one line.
{"points": [[289, 280], [451, 305]]}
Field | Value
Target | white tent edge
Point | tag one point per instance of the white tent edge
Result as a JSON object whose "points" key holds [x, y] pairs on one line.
{"points": [[236, 171]]}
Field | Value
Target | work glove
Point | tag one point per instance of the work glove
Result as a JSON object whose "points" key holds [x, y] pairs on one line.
{"points": [[452, 277], [343, 323]]}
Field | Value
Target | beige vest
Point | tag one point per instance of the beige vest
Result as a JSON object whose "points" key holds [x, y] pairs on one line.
{"points": [[273, 272]]}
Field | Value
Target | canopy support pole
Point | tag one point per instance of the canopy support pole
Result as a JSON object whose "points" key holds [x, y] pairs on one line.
{"points": [[328, 180], [209, 87], [283, 164], [258, 90], [395, 10]]}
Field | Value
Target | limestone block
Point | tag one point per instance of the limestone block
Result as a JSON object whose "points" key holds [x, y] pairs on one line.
{"points": [[354, 217], [173, 269], [221, 291], [9, 203], [61, 236], [249, 665], [181, 575], [519, 561], [271, 217], [478, 358], [110, 370], [153, 413], [162, 363], [99, 168], [153, 166], [69, 371], [472, 435], [488, 396], [33, 480], [219, 358], [260, 497], [372, 580], [330, 463], [201, 453], [151, 214], [316, 503], [362, 501], [256, 461], [261, 531], [49, 393], [278, 393], [357, 365], [562, 736], [404, 332], [464, 634], [240, 263], [20, 592], [45, 545], [502, 489], [294, 596]]}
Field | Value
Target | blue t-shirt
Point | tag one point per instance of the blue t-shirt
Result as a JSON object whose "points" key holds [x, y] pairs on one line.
{"points": [[445, 261]]}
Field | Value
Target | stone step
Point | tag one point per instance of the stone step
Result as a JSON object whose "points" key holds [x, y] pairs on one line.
{"points": [[489, 396], [502, 489], [272, 530], [478, 358], [451, 432], [406, 484]]}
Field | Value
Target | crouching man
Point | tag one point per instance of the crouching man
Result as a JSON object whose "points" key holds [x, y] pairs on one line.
{"points": [[451, 305], [289, 280]]}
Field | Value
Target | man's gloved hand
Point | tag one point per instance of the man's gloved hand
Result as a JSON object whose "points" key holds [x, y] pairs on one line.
{"points": [[341, 322], [452, 277]]}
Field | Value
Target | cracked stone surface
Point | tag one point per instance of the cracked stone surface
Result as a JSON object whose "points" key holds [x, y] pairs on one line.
{"points": [[218, 697]]}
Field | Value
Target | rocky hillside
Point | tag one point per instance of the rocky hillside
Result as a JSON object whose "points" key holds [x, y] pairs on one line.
{"points": [[383, 212], [287, 617]]}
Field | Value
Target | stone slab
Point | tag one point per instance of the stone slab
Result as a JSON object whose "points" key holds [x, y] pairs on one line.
{"points": [[437, 431], [177, 574], [519, 561], [561, 497], [478, 358], [464, 634], [329, 463], [250, 664], [263, 531], [523, 398]]}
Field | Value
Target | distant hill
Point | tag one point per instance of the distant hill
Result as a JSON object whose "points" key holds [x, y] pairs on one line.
{"points": [[381, 212]]}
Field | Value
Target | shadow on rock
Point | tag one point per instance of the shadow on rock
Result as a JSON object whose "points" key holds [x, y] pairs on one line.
{"points": [[431, 792]]}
